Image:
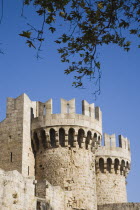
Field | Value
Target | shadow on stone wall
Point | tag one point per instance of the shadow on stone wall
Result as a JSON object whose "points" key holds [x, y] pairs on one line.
{"points": [[43, 206]]}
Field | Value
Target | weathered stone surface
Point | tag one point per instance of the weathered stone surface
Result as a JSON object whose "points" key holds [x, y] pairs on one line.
{"points": [[111, 188], [15, 136], [122, 206], [72, 171], [54, 196], [62, 153], [16, 192]]}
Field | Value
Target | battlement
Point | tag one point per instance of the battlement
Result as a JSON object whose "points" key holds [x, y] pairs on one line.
{"points": [[67, 129], [40, 109], [91, 118], [113, 155], [19, 104], [110, 141], [69, 107], [64, 150]]}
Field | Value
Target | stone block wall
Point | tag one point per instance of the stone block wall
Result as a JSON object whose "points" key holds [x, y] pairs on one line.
{"points": [[53, 196], [16, 192], [11, 134], [73, 170], [29, 112], [111, 188]]}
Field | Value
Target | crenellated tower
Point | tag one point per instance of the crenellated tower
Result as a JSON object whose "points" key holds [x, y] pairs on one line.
{"points": [[112, 167], [64, 153], [63, 147]]}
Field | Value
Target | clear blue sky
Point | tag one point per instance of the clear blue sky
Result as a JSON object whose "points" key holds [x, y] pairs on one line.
{"points": [[21, 72]]}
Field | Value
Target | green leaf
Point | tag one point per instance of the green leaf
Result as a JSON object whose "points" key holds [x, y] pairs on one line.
{"points": [[30, 44], [100, 5], [52, 29], [27, 2], [97, 64], [133, 31], [61, 14], [124, 24], [57, 41], [128, 43], [26, 34], [40, 11], [127, 49], [41, 40]]}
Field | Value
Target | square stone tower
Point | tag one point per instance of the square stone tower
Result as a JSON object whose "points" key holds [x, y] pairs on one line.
{"points": [[15, 136]]}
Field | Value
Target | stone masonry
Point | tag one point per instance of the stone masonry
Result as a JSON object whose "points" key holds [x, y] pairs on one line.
{"points": [[59, 159]]}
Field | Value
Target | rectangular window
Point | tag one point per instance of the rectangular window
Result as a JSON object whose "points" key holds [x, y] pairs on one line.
{"points": [[44, 110], [110, 142], [32, 113], [28, 171], [11, 157], [68, 108], [89, 111]]}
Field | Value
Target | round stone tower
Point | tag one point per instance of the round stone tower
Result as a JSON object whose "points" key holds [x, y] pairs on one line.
{"points": [[112, 167], [64, 147]]}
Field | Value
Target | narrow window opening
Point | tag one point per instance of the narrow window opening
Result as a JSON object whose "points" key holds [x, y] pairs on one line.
{"points": [[109, 163], [71, 137], [11, 157], [68, 108], [62, 137], [31, 117], [89, 111], [99, 140], [116, 165], [52, 137], [32, 114], [44, 110], [88, 138], [101, 165], [43, 138], [28, 171], [110, 142], [14, 104], [80, 137]]}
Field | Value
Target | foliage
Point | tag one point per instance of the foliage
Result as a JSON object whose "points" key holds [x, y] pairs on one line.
{"points": [[91, 25]]}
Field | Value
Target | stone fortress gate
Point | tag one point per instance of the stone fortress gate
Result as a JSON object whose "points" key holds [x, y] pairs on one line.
{"points": [[61, 157]]}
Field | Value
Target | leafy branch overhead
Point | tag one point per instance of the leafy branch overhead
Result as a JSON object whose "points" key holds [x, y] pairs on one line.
{"points": [[88, 25]]}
